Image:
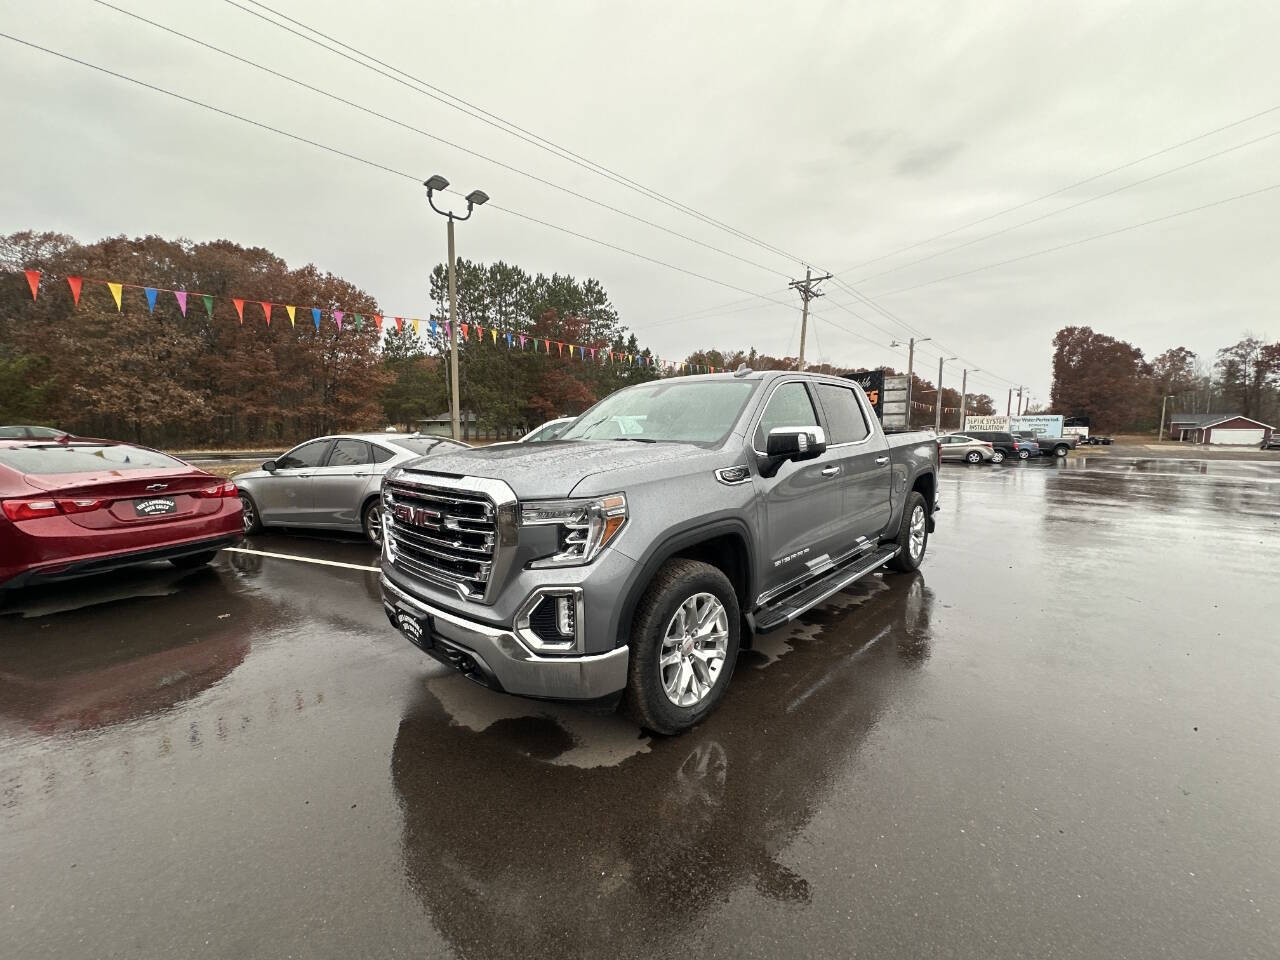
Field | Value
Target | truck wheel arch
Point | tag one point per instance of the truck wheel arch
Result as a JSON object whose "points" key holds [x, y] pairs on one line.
{"points": [[725, 544]]}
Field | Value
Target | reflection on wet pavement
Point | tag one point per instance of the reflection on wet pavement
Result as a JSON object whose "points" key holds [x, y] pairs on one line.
{"points": [[1058, 739]]}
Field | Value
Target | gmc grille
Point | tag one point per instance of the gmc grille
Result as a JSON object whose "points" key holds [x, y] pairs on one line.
{"points": [[442, 535]]}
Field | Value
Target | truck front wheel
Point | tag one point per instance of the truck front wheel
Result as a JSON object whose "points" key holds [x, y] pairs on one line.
{"points": [[684, 645]]}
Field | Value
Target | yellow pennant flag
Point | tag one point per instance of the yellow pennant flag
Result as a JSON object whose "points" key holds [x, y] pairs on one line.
{"points": [[116, 289], [415, 326], [290, 311], [493, 333]]}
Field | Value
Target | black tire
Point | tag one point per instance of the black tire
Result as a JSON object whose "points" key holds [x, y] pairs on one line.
{"points": [[192, 560], [1024, 454], [677, 581], [907, 560], [371, 521], [973, 456], [252, 518], [1061, 450]]}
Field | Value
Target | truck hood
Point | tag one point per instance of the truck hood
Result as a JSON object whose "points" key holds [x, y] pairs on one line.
{"points": [[539, 471]]}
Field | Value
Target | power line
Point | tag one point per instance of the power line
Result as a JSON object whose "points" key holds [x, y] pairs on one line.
{"points": [[431, 136], [1061, 190], [457, 103], [374, 164], [1073, 206], [1076, 243]]}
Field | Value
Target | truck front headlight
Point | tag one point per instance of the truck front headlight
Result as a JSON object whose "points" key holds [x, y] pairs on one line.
{"points": [[586, 526]]}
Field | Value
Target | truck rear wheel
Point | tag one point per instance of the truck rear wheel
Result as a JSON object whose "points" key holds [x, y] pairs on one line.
{"points": [[684, 645], [913, 535]]}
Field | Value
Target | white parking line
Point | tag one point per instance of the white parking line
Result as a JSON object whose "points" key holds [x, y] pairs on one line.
{"points": [[289, 556]]}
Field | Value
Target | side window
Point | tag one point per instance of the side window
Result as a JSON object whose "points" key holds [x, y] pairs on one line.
{"points": [[349, 453], [844, 416], [306, 455], [381, 454], [789, 406]]}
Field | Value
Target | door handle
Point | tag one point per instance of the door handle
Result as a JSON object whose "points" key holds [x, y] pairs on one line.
{"points": [[302, 476], [830, 471], [882, 459], [362, 474]]}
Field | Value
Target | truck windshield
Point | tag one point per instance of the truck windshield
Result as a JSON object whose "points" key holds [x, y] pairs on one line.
{"points": [[698, 411]]}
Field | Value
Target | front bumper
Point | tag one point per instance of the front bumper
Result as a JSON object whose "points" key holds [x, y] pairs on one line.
{"points": [[494, 657]]}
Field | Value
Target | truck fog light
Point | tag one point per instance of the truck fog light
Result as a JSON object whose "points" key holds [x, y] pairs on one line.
{"points": [[550, 622]]}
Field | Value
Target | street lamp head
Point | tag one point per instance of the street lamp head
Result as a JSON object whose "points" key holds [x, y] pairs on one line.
{"points": [[477, 198], [435, 183]]}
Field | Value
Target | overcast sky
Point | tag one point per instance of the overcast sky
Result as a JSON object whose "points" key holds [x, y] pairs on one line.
{"points": [[836, 132]]}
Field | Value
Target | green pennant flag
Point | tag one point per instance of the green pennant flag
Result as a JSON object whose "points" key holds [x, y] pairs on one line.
{"points": [[359, 322], [208, 304]]}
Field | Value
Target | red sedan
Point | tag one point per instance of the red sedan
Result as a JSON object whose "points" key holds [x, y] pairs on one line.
{"points": [[74, 507]]}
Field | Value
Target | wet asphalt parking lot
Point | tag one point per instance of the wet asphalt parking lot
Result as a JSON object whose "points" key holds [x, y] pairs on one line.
{"points": [[1060, 739]]}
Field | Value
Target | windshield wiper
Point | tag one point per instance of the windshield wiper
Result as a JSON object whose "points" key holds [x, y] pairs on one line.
{"points": [[636, 439]]}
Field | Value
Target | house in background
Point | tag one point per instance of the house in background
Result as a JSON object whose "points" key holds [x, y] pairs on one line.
{"points": [[1232, 429]]}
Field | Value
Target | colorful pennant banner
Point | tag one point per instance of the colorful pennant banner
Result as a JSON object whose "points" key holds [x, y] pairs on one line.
{"points": [[510, 338]]}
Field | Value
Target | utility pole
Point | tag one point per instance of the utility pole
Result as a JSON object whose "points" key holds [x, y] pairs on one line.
{"points": [[1008, 404], [937, 409], [808, 289], [911, 362], [474, 199], [964, 395], [1163, 403], [1020, 389]]}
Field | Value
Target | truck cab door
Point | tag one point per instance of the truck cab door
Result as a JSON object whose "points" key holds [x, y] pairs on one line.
{"points": [[862, 453], [801, 502]]}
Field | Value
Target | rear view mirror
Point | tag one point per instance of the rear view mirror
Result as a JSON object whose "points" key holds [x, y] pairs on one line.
{"points": [[792, 443], [269, 466]]}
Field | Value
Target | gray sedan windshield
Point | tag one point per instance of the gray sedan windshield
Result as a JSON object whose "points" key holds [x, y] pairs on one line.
{"points": [[696, 411]]}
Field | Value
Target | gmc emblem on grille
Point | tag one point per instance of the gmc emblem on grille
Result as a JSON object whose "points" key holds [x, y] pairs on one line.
{"points": [[419, 516]]}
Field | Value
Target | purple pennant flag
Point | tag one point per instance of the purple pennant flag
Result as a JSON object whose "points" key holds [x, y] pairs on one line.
{"points": [[448, 330], [315, 316], [337, 318], [181, 297], [523, 338], [593, 354], [151, 298]]}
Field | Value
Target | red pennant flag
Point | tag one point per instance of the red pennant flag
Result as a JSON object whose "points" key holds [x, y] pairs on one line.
{"points": [[266, 311], [560, 348], [74, 283], [33, 281], [399, 324], [377, 322], [466, 330], [547, 343], [239, 308]]}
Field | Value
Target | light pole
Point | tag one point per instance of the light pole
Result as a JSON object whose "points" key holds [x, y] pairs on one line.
{"points": [[964, 394], [911, 360], [1163, 403], [474, 199], [937, 409]]}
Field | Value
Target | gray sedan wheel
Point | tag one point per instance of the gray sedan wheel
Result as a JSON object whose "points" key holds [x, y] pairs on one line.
{"points": [[249, 514], [372, 522], [973, 456]]}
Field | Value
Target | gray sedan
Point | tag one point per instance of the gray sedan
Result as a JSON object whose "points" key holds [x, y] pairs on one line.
{"points": [[956, 446], [331, 482]]}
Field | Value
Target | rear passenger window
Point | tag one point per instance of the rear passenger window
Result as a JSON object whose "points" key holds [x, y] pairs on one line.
{"points": [[789, 406], [349, 453], [844, 416], [381, 454]]}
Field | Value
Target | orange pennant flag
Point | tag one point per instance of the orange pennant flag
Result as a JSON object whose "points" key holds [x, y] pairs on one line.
{"points": [[239, 309], [74, 283], [116, 289], [290, 310], [377, 322], [33, 281], [266, 310]]}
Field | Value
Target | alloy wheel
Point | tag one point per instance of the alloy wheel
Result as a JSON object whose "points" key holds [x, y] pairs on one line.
{"points": [[694, 647], [915, 539], [248, 514], [373, 528]]}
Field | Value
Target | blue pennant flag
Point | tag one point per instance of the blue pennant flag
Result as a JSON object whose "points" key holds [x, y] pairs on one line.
{"points": [[315, 316], [151, 298], [433, 328]]}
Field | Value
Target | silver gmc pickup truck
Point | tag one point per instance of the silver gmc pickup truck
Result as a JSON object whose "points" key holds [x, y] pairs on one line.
{"points": [[635, 556]]}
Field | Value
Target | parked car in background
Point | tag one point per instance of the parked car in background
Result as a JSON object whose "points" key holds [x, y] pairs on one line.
{"points": [[960, 446], [1272, 442], [1002, 444], [28, 432], [331, 482], [551, 430], [74, 507], [1026, 448]]}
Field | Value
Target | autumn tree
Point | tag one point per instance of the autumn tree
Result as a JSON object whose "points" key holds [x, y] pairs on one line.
{"points": [[1099, 377]]}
